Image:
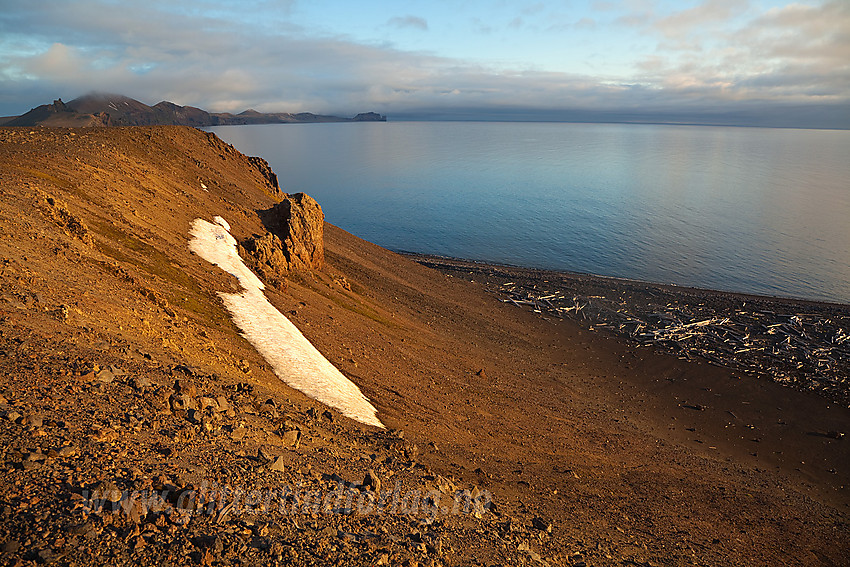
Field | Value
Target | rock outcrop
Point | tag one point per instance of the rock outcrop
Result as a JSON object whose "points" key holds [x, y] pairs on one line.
{"points": [[301, 223], [294, 242], [264, 255], [265, 169], [370, 117]]}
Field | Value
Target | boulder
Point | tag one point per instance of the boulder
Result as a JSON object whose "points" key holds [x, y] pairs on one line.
{"points": [[371, 480], [294, 242], [279, 465]]}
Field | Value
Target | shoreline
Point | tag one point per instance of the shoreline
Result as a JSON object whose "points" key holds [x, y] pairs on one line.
{"points": [[802, 344], [464, 262]]}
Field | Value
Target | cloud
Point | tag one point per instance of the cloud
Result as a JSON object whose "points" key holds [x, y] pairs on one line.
{"points": [[585, 24], [814, 35], [217, 57], [413, 22], [516, 23], [700, 17], [793, 54]]}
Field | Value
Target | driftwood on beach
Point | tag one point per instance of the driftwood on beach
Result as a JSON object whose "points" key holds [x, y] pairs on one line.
{"points": [[805, 345], [807, 350]]}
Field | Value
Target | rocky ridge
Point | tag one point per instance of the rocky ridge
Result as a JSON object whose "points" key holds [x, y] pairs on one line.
{"points": [[104, 109]]}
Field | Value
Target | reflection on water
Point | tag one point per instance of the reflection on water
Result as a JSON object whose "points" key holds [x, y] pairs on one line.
{"points": [[741, 209]]}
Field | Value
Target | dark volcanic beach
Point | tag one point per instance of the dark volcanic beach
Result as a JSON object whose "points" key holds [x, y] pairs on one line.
{"points": [[121, 373], [802, 344]]}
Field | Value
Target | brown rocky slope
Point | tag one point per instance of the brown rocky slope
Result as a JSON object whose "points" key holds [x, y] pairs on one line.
{"points": [[138, 427]]}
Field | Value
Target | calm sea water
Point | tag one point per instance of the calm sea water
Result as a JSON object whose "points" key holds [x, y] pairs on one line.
{"points": [[737, 209]]}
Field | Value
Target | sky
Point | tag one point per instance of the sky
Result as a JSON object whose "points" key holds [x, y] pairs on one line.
{"points": [[748, 62]]}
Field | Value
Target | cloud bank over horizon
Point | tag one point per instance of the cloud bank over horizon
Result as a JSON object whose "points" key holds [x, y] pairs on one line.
{"points": [[716, 61]]}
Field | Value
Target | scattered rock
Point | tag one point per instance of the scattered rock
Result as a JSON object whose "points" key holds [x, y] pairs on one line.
{"points": [[372, 482], [264, 455], [185, 387], [270, 410], [107, 491], [541, 524], [342, 282], [193, 416], [531, 553], [411, 451], [291, 438], [35, 420], [35, 456], [444, 485], [67, 451], [60, 313], [105, 436], [105, 376], [11, 546], [117, 371], [238, 433], [182, 402], [68, 221], [278, 465], [47, 556], [134, 508]]}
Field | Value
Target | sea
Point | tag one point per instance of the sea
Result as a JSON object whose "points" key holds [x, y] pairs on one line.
{"points": [[754, 210]]}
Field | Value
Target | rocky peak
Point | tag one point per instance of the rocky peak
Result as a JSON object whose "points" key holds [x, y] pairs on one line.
{"points": [[59, 106]]}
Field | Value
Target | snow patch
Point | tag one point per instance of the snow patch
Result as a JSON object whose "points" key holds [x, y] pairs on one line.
{"points": [[213, 243], [222, 223], [294, 359]]}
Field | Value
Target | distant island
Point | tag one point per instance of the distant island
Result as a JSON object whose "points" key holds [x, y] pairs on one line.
{"points": [[101, 109]]}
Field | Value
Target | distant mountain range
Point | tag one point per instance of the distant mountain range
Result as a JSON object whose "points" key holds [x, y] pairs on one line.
{"points": [[100, 109]]}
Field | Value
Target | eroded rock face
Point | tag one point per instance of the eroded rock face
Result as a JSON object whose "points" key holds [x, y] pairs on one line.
{"points": [[265, 170], [301, 230], [264, 255], [294, 242]]}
